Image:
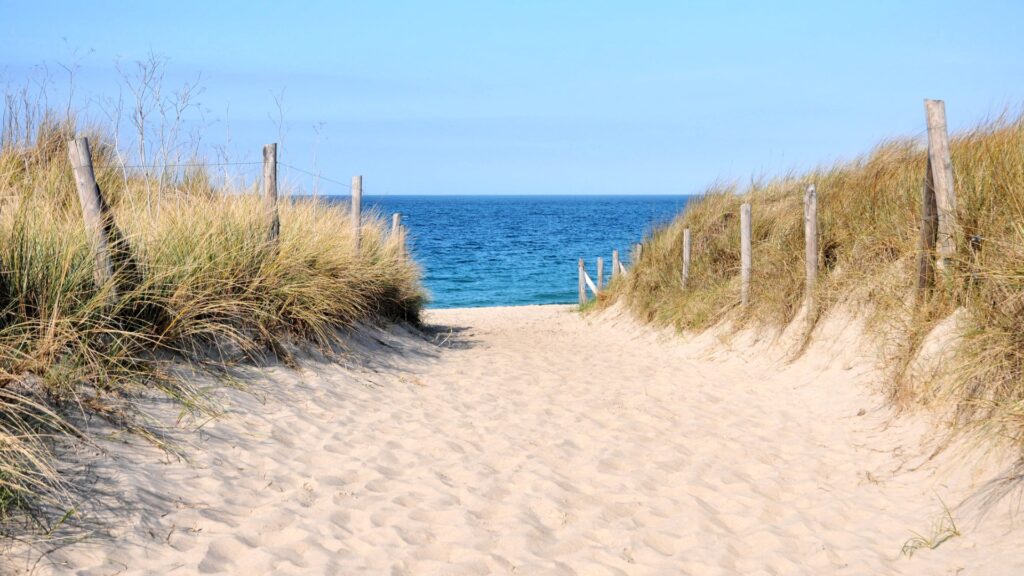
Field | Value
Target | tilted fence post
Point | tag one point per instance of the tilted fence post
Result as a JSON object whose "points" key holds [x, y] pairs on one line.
{"points": [[615, 263], [270, 190], [600, 273], [98, 220]]}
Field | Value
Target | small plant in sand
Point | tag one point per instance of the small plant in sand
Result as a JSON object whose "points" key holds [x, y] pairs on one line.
{"points": [[943, 529]]}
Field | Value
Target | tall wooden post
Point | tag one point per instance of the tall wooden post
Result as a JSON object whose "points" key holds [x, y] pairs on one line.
{"points": [[745, 254], [95, 212], [686, 256], [811, 240], [583, 284], [357, 207], [600, 273], [270, 190], [615, 263], [941, 171], [396, 223]]}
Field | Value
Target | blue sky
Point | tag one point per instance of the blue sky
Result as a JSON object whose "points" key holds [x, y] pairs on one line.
{"points": [[541, 97]]}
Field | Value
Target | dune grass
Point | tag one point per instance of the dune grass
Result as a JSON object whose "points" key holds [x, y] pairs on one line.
{"points": [[197, 281], [869, 217]]}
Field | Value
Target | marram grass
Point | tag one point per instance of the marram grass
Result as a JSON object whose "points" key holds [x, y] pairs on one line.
{"points": [[869, 216], [197, 279]]}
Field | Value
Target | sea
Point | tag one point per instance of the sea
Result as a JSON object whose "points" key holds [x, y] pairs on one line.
{"points": [[515, 250]]}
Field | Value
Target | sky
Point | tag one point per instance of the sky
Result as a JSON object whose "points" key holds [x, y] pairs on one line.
{"points": [[532, 97]]}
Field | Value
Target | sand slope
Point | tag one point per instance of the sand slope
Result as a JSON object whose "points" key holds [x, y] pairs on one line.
{"points": [[532, 441]]}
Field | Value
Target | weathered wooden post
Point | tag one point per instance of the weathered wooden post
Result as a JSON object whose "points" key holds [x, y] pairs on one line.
{"points": [[615, 263], [600, 273], [639, 251], [95, 212], [357, 206], [397, 234], [811, 241], [745, 254], [583, 284], [941, 174], [270, 190], [686, 256]]}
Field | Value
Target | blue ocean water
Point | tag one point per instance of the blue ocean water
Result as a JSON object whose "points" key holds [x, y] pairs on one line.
{"points": [[509, 250]]}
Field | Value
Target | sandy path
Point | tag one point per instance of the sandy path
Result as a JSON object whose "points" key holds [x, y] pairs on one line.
{"points": [[536, 442]]}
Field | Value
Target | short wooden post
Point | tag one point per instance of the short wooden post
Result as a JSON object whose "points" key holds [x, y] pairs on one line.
{"points": [[615, 263], [95, 212], [811, 240], [397, 234], [942, 178], [583, 284], [600, 273], [686, 256], [639, 251], [270, 190], [357, 207], [745, 254]]}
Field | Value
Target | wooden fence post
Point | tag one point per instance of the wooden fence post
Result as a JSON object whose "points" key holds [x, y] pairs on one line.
{"points": [[270, 190], [639, 252], [615, 263], [95, 212], [397, 233], [600, 273], [357, 207], [686, 256], [811, 241], [745, 254], [583, 285], [941, 172]]}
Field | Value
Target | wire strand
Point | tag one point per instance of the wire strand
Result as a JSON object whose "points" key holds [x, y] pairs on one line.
{"points": [[191, 165], [320, 176], [281, 164]]}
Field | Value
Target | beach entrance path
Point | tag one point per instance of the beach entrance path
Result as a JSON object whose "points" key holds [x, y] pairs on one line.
{"points": [[533, 441]]}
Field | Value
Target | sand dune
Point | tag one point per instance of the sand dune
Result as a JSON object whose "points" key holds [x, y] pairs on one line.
{"points": [[533, 441]]}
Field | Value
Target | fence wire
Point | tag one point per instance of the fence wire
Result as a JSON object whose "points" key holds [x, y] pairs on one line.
{"points": [[318, 177]]}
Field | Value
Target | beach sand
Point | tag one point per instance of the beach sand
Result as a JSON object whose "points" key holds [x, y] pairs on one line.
{"points": [[531, 440]]}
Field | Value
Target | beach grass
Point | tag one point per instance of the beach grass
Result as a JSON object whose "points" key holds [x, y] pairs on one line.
{"points": [[869, 211], [196, 280]]}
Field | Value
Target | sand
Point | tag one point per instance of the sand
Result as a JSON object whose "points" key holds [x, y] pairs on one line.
{"points": [[529, 441]]}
